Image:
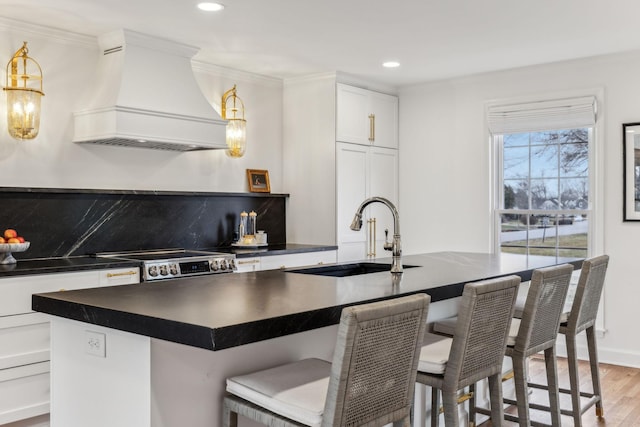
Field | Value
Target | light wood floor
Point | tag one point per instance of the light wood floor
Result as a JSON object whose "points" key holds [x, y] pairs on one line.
{"points": [[620, 389]]}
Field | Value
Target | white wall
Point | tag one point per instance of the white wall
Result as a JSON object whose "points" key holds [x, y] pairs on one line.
{"points": [[445, 163], [68, 63], [310, 158]]}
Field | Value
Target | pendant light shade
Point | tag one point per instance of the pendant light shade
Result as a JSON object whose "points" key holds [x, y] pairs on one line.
{"points": [[24, 93], [237, 125]]}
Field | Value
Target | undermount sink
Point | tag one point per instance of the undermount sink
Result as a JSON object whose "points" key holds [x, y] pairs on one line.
{"points": [[343, 270]]}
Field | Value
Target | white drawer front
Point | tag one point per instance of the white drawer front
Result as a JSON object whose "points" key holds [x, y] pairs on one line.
{"points": [[24, 339], [16, 291], [125, 276], [247, 264], [24, 392], [298, 260]]}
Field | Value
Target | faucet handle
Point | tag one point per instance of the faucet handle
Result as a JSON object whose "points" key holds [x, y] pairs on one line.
{"points": [[388, 246]]}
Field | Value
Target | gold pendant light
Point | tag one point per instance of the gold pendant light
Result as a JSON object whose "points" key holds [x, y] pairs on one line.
{"points": [[237, 125], [24, 93]]}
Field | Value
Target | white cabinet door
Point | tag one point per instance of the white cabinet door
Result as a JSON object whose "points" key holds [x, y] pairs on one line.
{"points": [[383, 182], [24, 339], [352, 110], [352, 169], [364, 172], [385, 119], [24, 392], [366, 117]]}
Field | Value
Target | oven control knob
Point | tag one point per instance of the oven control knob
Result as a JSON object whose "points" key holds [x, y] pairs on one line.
{"points": [[232, 264], [153, 271], [223, 264], [214, 265], [173, 269], [164, 270]]}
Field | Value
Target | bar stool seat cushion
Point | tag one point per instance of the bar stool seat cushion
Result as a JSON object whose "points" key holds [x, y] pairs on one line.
{"points": [[564, 316], [445, 326], [434, 353], [566, 309], [448, 326], [296, 390]]}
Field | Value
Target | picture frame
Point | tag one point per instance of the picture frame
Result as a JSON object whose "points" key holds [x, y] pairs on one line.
{"points": [[631, 171], [258, 181]]}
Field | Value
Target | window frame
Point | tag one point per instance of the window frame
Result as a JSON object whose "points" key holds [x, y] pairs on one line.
{"points": [[596, 166]]}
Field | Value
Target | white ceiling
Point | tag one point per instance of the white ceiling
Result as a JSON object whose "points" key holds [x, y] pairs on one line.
{"points": [[432, 39]]}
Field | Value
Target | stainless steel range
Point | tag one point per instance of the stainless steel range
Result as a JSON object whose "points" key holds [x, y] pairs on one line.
{"points": [[176, 263]]}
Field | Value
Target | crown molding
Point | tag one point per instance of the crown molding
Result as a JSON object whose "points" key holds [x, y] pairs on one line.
{"points": [[233, 74], [49, 33], [310, 78]]}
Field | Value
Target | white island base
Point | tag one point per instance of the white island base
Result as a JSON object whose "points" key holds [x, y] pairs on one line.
{"points": [[146, 382]]}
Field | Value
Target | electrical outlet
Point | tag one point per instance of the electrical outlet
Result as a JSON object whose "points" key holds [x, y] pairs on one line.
{"points": [[95, 343]]}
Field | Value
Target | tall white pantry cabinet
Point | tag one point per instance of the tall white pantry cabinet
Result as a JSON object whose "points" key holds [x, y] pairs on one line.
{"points": [[340, 147]]}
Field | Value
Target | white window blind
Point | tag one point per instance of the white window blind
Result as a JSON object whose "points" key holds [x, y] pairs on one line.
{"points": [[568, 113]]}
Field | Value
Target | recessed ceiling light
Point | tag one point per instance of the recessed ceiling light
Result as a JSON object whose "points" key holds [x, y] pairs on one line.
{"points": [[391, 64], [210, 7]]}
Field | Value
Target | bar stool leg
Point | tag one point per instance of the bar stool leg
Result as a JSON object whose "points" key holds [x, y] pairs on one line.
{"points": [[522, 393], [495, 396], [435, 406], [551, 366], [450, 404], [595, 373], [472, 405], [574, 380], [229, 418]]}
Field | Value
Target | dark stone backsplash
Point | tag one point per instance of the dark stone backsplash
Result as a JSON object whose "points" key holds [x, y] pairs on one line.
{"points": [[66, 222]]}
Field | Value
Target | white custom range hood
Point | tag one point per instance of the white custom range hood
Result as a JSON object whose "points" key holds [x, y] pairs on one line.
{"points": [[145, 95]]}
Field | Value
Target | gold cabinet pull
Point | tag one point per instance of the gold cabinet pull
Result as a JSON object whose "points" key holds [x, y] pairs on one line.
{"points": [[374, 236], [124, 273], [371, 250], [253, 261], [372, 127]]}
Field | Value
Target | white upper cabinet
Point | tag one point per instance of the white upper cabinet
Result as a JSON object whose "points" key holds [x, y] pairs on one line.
{"points": [[366, 117]]}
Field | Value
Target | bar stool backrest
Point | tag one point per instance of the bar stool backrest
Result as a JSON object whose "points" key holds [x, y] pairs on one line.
{"points": [[375, 362], [543, 308], [480, 337], [587, 298]]}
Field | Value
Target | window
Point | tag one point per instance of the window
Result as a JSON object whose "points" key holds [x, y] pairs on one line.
{"points": [[542, 178], [545, 192]]}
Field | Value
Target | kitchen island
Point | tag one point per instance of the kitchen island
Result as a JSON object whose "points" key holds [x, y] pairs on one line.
{"points": [[157, 354]]}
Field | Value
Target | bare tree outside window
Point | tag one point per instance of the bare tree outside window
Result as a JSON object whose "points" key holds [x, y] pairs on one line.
{"points": [[545, 192]]}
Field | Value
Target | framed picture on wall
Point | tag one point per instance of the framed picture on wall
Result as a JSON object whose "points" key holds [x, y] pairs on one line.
{"points": [[631, 181], [258, 181]]}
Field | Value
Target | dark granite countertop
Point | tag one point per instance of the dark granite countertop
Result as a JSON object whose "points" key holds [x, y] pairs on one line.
{"points": [[222, 311], [61, 265], [88, 262]]}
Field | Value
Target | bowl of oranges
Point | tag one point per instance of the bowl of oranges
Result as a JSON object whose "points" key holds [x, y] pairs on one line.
{"points": [[11, 241]]}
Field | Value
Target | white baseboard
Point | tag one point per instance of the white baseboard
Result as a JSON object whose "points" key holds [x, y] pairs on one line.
{"points": [[605, 354]]}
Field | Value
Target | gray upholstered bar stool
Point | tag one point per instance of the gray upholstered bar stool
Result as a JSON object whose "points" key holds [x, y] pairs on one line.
{"points": [[582, 317], [371, 380], [475, 351], [535, 332]]}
